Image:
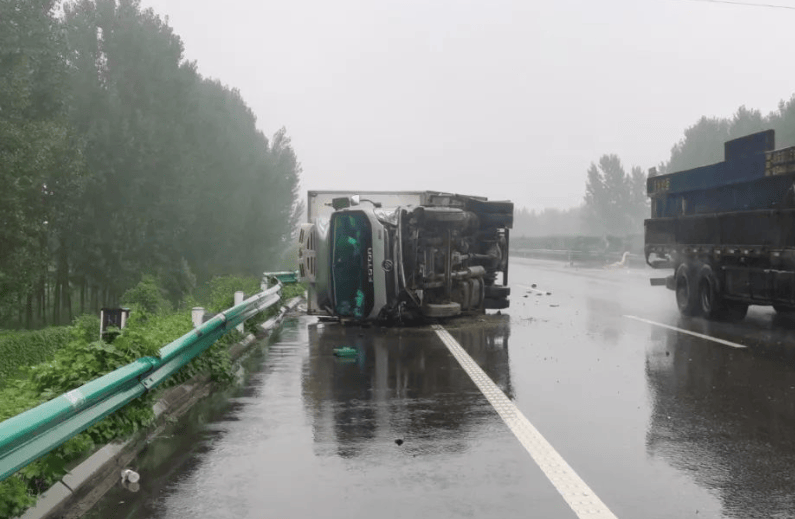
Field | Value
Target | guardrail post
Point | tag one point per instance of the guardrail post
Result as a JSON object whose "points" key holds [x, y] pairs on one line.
{"points": [[197, 316], [239, 296]]}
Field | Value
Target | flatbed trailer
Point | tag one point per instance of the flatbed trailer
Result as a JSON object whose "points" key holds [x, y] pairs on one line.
{"points": [[727, 231]]}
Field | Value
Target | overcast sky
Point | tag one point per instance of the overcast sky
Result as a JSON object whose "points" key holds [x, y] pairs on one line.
{"points": [[511, 100]]}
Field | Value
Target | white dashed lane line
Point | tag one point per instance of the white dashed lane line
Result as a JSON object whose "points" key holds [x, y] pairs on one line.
{"points": [[577, 494], [688, 332]]}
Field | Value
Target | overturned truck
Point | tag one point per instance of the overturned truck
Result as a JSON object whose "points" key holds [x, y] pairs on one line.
{"points": [[395, 256], [727, 230]]}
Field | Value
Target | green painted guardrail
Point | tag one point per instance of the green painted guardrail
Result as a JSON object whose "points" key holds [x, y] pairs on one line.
{"points": [[287, 276], [28, 436]]}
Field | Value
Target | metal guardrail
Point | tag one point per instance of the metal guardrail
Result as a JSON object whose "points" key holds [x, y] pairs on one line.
{"points": [[287, 276], [28, 436]]}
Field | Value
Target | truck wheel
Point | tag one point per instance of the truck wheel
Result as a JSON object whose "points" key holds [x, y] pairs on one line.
{"points": [[784, 309], [710, 296], [491, 303], [497, 291], [686, 292], [440, 310]]}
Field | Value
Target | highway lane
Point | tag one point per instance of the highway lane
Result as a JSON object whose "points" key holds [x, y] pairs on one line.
{"points": [[656, 422]]}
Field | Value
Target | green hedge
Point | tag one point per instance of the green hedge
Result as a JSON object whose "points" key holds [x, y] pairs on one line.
{"points": [[26, 348]]}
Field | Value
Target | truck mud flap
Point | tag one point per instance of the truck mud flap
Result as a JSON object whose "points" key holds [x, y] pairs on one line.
{"points": [[667, 282], [496, 304]]}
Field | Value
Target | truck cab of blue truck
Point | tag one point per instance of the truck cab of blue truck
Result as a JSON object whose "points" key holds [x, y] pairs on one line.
{"points": [[727, 230]]}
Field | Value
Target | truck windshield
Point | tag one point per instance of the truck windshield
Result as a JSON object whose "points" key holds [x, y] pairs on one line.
{"points": [[352, 264]]}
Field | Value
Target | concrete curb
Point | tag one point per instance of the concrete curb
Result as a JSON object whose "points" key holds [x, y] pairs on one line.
{"points": [[85, 484]]}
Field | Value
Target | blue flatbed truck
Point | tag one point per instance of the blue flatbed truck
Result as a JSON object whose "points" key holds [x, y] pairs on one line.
{"points": [[727, 230]]}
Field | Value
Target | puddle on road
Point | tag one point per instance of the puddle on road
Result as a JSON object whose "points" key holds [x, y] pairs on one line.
{"points": [[401, 380], [309, 432]]}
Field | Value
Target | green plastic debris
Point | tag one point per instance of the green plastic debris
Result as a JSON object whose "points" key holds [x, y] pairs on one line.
{"points": [[345, 351]]}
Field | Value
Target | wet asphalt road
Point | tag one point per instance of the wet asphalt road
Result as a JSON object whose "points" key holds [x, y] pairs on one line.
{"points": [[658, 423]]}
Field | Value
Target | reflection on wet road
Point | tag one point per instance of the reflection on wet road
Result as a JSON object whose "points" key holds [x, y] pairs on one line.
{"points": [[656, 422], [727, 419]]}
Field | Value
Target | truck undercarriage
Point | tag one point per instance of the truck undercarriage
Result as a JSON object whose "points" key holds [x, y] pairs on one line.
{"points": [[442, 257]]}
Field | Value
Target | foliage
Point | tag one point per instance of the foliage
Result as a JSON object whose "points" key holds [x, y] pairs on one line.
{"points": [[14, 497], [85, 328], [615, 202], [40, 164], [25, 348], [146, 297], [702, 143], [292, 290], [84, 359], [118, 158], [215, 361], [81, 360], [222, 291]]}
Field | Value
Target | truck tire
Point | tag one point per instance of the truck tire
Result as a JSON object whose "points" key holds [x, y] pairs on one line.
{"points": [[709, 295], [497, 291], [686, 291], [491, 303], [440, 310], [784, 309]]}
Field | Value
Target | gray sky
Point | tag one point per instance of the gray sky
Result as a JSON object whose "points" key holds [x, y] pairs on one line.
{"points": [[511, 100]]}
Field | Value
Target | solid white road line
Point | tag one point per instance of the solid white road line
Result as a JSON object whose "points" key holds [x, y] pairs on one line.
{"points": [[577, 494], [694, 334]]}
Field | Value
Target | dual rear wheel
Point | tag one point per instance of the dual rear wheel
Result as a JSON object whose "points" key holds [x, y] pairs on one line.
{"points": [[698, 292]]}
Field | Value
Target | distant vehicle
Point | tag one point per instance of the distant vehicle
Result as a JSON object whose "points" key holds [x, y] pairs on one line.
{"points": [[727, 230], [394, 256]]}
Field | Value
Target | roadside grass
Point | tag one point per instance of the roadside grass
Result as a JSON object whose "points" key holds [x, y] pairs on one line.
{"points": [[44, 364]]}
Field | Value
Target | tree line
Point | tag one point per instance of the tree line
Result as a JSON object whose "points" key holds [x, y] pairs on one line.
{"points": [[118, 159], [615, 201]]}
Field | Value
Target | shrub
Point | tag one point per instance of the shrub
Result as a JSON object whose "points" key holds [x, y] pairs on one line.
{"points": [[223, 288], [146, 297], [292, 290], [19, 349], [81, 357]]}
